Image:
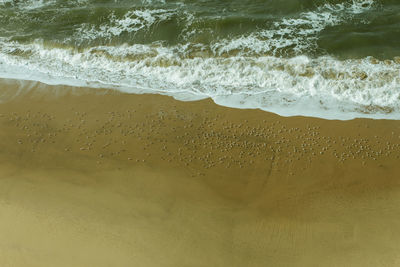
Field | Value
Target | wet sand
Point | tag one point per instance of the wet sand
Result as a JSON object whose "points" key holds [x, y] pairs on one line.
{"points": [[102, 178]]}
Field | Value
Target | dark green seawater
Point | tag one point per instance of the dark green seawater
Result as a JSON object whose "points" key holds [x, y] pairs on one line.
{"points": [[334, 59]]}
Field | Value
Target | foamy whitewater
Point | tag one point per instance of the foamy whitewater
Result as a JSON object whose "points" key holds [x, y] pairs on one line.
{"points": [[327, 59]]}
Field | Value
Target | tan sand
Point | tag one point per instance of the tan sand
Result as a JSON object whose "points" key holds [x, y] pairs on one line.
{"points": [[102, 178]]}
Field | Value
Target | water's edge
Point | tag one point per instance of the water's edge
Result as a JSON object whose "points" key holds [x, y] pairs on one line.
{"points": [[332, 59]]}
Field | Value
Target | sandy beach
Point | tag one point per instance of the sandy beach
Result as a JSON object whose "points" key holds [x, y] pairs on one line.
{"points": [[102, 178]]}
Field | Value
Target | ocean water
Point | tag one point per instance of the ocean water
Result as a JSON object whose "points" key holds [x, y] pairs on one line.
{"points": [[334, 59]]}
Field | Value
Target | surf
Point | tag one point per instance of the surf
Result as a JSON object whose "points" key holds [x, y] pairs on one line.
{"points": [[279, 66]]}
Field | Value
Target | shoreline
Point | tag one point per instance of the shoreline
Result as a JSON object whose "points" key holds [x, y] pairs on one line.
{"points": [[363, 112], [102, 177]]}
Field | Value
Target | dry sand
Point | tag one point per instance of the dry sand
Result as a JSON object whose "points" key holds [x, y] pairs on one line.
{"points": [[102, 178]]}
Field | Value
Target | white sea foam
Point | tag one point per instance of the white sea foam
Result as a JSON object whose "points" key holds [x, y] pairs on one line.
{"points": [[28, 4], [35, 4], [321, 87], [299, 32], [132, 22], [3, 2], [150, 2]]}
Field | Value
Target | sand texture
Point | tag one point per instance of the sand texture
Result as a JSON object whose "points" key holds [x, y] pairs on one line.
{"points": [[102, 178]]}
